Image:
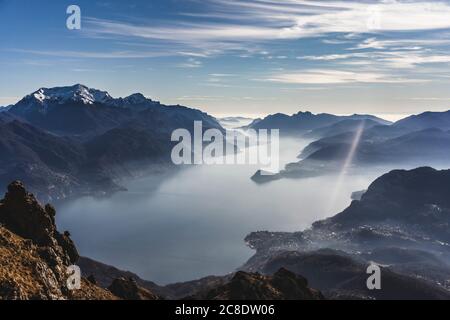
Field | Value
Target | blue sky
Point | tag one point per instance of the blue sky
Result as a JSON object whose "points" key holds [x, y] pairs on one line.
{"points": [[236, 57]]}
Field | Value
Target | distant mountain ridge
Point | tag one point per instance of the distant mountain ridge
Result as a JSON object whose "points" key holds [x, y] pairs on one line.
{"points": [[422, 140], [84, 112], [438, 120], [303, 122], [348, 125], [65, 141], [46, 98]]}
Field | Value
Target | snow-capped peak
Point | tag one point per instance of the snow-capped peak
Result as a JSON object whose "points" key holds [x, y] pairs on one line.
{"points": [[45, 99], [78, 93]]}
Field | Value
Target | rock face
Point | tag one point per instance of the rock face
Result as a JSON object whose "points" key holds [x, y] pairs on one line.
{"points": [[34, 256], [283, 285], [129, 290], [27, 274], [22, 214]]}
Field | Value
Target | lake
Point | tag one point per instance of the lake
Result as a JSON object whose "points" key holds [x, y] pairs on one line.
{"points": [[190, 224]]}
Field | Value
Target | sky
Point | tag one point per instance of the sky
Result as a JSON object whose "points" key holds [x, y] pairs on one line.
{"points": [[236, 57]]}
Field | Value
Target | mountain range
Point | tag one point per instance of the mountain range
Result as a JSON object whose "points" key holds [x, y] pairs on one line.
{"points": [[438, 120], [75, 140], [304, 122], [422, 139], [83, 112]]}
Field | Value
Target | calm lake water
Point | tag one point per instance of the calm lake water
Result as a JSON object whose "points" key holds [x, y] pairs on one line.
{"points": [[192, 223]]}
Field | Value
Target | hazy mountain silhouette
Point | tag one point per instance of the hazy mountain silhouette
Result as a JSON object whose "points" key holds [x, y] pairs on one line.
{"points": [[69, 140], [439, 120], [303, 122], [396, 145], [343, 126]]}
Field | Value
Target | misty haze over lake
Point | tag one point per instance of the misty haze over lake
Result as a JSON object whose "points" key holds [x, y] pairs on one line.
{"points": [[192, 223]]}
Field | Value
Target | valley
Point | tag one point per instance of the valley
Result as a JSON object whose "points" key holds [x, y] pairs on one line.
{"points": [[114, 186]]}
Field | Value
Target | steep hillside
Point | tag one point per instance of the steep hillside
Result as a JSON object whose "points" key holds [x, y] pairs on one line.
{"points": [[34, 256]]}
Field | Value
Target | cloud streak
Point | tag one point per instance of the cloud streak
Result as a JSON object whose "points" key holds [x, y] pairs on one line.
{"points": [[320, 77], [286, 19]]}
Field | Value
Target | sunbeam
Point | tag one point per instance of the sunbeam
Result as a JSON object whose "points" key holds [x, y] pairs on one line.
{"points": [[346, 164]]}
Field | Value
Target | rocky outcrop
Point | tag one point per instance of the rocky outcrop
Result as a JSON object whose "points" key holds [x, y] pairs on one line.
{"points": [[34, 256], [283, 285], [129, 290], [32, 272], [22, 214]]}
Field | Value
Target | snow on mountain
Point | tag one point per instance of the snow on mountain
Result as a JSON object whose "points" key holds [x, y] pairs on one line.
{"points": [[45, 98], [78, 93]]}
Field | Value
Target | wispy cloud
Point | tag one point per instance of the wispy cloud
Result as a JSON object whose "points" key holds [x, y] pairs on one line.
{"points": [[374, 43], [222, 98], [200, 98], [190, 63], [331, 57], [221, 75], [259, 20], [92, 54], [429, 99], [410, 60], [336, 77], [245, 27], [402, 56]]}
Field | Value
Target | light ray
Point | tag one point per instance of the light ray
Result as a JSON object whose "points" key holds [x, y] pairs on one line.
{"points": [[345, 166]]}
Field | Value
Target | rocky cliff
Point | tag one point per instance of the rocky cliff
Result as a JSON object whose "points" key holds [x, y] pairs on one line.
{"points": [[34, 256]]}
